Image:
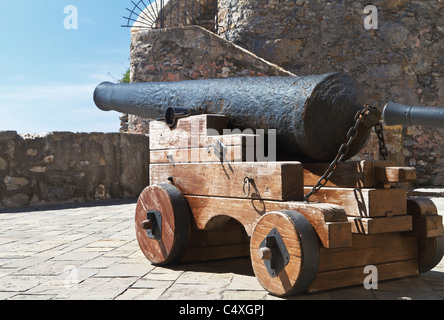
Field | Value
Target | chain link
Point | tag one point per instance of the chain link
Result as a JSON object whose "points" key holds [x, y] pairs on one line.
{"points": [[351, 135], [380, 134]]}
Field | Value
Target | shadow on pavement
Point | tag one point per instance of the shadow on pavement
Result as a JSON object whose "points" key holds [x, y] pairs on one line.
{"points": [[69, 205]]}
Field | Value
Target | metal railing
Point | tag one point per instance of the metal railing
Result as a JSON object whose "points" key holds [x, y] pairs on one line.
{"points": [[155, 14]]}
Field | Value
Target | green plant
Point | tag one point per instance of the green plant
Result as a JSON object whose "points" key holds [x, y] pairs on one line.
{"points": [[126, 77]]}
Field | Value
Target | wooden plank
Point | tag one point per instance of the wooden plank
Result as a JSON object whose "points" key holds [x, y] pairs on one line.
{"points": [[421, 206], [393, 255], [329, 221], [348, 174], [368, 202], [427, 227], [369, 249], [355, 276], [381, 225], [229, 241], [425, 219], [268, 180], [395, 174], [233, 153], [195, 132]]}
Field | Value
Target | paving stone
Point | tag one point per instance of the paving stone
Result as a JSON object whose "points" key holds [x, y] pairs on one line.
{"points": [[100, 262], [204, 278], [190, 291], [19, 283], [49, 268], [78, 254], [101, 259], [123, 269], [151, 284], [32, 297], [141, 294], [98, 289], [6, 295], [248, 283], [244, 295], [160, 273]]}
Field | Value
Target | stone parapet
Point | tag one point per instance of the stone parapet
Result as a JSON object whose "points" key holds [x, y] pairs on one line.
{"points": [[60, 167]]}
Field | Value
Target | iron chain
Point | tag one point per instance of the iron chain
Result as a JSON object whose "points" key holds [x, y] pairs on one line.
{"points": [[343, 149], [380, 134]]}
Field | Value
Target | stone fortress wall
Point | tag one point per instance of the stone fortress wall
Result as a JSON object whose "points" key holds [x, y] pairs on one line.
{"points": [[402, 60], [60, 167]]}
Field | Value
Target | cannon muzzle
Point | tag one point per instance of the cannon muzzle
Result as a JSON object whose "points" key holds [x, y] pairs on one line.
{"points": [[396, 114], [311, 114]]}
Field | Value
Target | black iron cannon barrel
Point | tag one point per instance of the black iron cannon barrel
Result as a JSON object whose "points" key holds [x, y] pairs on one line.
{"points": [[311, 114], [400, 114]]}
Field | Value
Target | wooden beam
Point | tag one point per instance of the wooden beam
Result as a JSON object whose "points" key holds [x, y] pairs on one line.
{"points": [[381, 225], [195, 132], [348, 174], [342, 278], [368, 202], [395, 174], [329, 221], [233, 153], [267, 180], [228, 241], [393, 254], [425, 219], [369, 249]]}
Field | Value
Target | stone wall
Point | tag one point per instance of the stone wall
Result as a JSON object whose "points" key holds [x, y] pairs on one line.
{"points": [[71, 167], [188, 53], [402, 60]]}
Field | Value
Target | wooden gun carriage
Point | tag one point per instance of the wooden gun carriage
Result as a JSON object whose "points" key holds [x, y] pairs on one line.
{"points": [[208, 199]]}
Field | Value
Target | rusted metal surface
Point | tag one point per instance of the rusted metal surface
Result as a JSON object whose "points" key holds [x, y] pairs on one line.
{"points": [[311, 114], [396, 114]]}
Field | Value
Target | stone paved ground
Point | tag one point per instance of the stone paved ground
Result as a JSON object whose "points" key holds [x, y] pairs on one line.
{"points": [[90, 252]]}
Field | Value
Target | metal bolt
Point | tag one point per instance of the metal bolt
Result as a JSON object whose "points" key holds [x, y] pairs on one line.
{"points": [[264, 253], [146, 224]]}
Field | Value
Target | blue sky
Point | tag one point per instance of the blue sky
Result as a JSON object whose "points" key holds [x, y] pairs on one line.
{"points": [[49, 73]]}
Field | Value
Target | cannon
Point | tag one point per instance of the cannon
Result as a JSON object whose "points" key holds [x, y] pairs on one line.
{"points": [[208, 200], [311, 114], [399, 114]]}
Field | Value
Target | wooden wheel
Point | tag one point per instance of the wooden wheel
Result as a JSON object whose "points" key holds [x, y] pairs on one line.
{"points": [[431, 251], [284, 252], [162, 223]]}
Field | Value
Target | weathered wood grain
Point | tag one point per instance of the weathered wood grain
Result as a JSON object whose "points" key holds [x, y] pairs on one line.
{"points": [[268, 180], [195, 132], [425, 219], [175, 222], [393, 254], [381, 224], [173, 156], [329, 221], [395, 174], [284, 282], [365, 202], [348, 174]]}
